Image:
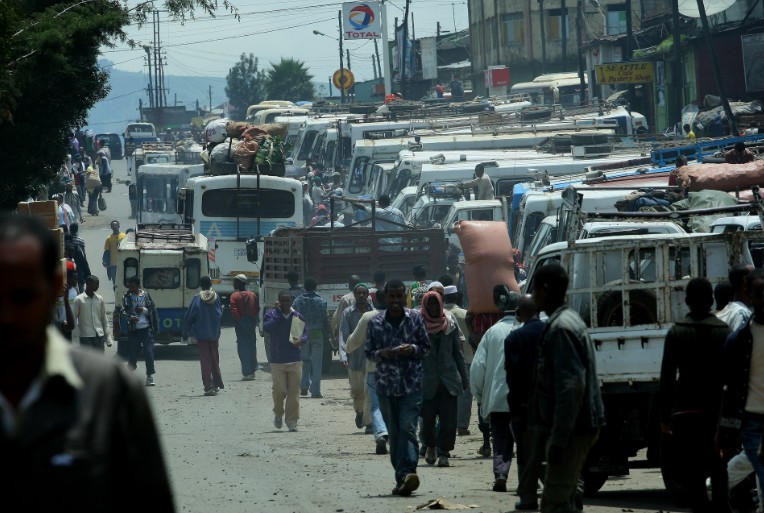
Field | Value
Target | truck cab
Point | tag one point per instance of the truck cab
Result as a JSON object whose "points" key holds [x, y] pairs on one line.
{"points": [[169, 260]]}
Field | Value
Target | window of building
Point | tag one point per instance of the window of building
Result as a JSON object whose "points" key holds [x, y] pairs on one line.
{"points": [[554, 24], [616, 19], [513, 27]]}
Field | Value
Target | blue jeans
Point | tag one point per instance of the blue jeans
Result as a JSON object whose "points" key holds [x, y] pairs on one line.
{"points": [[312, 362], [401, 414], [136, 339], [380, 429], [246, 343], [750, 434]]}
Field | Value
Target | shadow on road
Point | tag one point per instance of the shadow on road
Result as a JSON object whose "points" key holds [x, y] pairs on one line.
{"points": [[179, 352], [624, 500]]}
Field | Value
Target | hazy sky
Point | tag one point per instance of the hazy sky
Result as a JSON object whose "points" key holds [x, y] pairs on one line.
{"points": [[271, 30]]}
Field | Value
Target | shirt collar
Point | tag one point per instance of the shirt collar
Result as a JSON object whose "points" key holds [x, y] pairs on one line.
{"points": [[58, 360]]}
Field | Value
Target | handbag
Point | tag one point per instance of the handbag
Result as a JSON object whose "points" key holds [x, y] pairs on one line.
{"points": [[101, 203]]}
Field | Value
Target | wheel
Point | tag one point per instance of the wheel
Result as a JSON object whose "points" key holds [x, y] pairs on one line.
{"points": [[643, 308], [673, 478], [593, 481]]}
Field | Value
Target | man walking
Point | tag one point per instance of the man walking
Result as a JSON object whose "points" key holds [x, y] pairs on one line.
{"points": [[141, 313], [566, 407], [464, 401], [356, 362], [397, 341], [202, 319], [286, 370], [690, 397], [75, 420], [313, 308], [244, 309], [110, 256], [80, 256], [520, 348], [89, 311], [488, 380]]}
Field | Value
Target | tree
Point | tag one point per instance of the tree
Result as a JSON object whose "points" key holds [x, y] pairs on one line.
{"points": [[245, 84], [289, 80], [49, 77]]}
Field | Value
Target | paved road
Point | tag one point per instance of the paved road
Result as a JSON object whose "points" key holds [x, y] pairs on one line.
{"points": [[224, 454]]}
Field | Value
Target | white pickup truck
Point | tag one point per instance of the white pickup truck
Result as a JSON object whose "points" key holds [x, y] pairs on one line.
{"points": [[630, 290]]}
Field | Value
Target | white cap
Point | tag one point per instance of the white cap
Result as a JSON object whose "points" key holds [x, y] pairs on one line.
{"points": [[450, 289], [434, 284], [241, 277]]}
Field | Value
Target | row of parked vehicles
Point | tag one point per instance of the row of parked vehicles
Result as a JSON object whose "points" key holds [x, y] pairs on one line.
{"points": [[555, 189]]}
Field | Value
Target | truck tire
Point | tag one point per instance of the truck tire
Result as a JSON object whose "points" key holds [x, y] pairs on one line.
{"points": [[644, 308], [673, 478], [588, 139]]}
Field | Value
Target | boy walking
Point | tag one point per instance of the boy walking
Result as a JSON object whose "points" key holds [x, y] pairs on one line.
{"points": [[203, 320]]}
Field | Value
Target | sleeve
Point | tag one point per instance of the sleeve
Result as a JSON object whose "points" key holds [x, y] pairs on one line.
{"points": [[372, 345], [344, 332], [477, 373], [511, 360], [235, 307], [358, 337], [337, 317], [76, 310], [459, 358], [420, 339], [304, 337], [104, 323], [668, 377], [189, 319], [270, 321], [471, 183], [569, 373]]}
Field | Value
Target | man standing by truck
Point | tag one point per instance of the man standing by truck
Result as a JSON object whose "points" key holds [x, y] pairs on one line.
{"points": [[244, 309], [566, 406], [689, 403], [313, 308]]}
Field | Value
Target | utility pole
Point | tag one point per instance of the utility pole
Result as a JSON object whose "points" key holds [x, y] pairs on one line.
{"points": [[717, 70], [374, 65], [579, 43], [209, 92], [147, 49], [437, 25], [676, 73], [404, 82], [379, 61], [342, 66], [564, 34], [543, 37], [386, 77], [629, 45]]}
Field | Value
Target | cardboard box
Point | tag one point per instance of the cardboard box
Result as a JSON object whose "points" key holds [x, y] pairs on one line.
{"points": [[45, 211], [58, 234]]}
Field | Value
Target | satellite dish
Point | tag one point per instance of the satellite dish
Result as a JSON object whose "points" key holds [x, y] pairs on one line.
{"points": [[690, 7]]}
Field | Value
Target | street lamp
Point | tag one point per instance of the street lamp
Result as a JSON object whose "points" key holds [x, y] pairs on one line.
{"points": [[342, 62]]}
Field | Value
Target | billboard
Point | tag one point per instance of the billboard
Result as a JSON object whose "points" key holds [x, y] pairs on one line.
{"points": [[361, 20], [429, 55], [753, 61], [624, 73]]}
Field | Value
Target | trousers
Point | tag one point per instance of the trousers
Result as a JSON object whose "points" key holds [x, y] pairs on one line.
{"points": [[286, 391], [209, 360]]}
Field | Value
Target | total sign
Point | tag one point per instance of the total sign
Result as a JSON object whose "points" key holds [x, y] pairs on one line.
{"points": [[361, 20]]}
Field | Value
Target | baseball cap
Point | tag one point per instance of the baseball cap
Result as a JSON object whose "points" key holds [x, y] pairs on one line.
{"points": [[241, 277]]}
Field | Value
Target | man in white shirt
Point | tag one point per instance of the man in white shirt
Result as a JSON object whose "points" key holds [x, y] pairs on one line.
{"points": [[738, 311], [481, 182], [89, 311]]}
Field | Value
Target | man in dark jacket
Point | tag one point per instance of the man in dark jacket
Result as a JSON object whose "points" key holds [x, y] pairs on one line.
{"points": [[690, 397], [566, 408], [89, 428], [520, 349], [203, 320]]}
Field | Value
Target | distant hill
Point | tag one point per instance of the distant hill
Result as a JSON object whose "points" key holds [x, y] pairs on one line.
{"points": [[127, 87]]}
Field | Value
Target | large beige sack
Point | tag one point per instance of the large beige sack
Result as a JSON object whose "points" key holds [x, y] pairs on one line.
{"points": [[487, 261], [721, 177]]}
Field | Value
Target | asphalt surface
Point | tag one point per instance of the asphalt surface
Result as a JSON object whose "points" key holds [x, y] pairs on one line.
{"points": [[224, 454]]}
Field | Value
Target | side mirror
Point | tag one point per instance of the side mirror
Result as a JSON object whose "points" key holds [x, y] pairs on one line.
{"points": [[252, 253]]}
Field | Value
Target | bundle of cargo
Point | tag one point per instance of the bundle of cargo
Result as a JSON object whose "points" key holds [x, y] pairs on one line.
{"points": [[237, 146], [720, 177], [487, 262], [47, 213]]}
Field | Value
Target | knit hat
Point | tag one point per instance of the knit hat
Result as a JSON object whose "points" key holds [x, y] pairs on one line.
{"points": [[241, 277], [450, 289]]}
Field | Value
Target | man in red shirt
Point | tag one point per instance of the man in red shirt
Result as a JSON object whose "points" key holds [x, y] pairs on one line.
{"points": [[244, 308], [739, 155]]}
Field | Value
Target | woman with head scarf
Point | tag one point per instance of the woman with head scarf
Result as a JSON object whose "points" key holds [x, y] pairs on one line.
{"points": [[445, 377]]}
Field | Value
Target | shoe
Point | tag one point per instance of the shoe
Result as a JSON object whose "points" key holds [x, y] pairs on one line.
{"points": [[369, 430], [293, 429], [430, 455], [303, 392], [443, 461], [500, 484], [462, 432], [423, 450], [485, 450], [409, 484], [526, 506], [277, 422], [150, 381], [382, 445], [397, 490], [319, 396], [249, 377], [210, 392], [359, 420]]}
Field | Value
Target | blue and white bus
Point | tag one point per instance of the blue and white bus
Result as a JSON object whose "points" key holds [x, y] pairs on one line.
{"points": [[231, 209]]}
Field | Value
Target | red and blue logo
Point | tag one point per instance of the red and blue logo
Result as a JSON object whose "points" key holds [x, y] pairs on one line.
{"points": [[361, 16]]}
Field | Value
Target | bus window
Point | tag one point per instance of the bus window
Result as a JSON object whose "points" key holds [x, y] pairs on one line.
{"points": [[193, 272], [401, 181], [307, 144], [130, 267], [272, 203], [188, 206], [158, 193], [327, 158], [358, 176], [161, 278], [315, 153]]}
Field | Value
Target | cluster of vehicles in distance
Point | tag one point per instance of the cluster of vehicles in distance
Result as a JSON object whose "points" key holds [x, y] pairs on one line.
{"points": [[555, 182]]}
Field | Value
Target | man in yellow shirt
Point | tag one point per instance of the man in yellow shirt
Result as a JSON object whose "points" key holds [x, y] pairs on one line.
{"points": [[110, 251]]}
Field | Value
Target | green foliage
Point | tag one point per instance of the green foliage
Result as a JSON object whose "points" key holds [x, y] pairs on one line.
{"points": [[49, 77], [290, 80], [245, 84], [272, 151]]}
